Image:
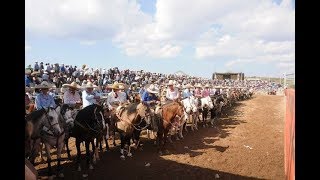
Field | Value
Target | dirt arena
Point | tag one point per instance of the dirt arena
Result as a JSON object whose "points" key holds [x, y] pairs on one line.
{"points": [[246, 143]]}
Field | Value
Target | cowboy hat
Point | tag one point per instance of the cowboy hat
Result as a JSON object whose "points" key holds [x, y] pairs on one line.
{"points": [[44, 85], [198, 85], [118, 86], [72, 85], [28, 71], [188, 86], [207, 86], [171, 82], [151, 88], [35, 73], [89, 85], [178, 86]]}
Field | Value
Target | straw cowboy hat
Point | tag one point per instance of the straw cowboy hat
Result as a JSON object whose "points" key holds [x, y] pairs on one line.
{"points": [[198, 85], [188, 86], [207, 86], [89, 85], [35, 73], [28, 71], [151, 88], [72, 85], [44, 85], [118, 86]]}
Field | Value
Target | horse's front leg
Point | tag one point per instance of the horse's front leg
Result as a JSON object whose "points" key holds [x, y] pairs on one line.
{"points": [[123, 141], [48, 147], [89, 155], [59, 149], [78, 154], [159, 141], [165, 141], [66, 141]]}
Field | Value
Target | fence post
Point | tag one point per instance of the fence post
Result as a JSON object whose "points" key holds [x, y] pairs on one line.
{"points": [[289, 135]]}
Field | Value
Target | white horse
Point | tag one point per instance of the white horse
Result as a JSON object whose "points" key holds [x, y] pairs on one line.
{"points": [[206, 105], [191, 109]]}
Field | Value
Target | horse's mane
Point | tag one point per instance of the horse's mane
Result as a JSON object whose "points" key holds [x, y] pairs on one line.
{"points": [[35, 115], [64, 107], [132, 108]]}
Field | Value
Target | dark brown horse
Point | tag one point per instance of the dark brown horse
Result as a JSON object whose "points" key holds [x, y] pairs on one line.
{"points": [[171, 112]]}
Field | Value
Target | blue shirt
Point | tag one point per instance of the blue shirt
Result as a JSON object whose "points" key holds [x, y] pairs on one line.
{"points": [[186, 93], [141, 91], [148, 97], [44, 101], [27, 80]]}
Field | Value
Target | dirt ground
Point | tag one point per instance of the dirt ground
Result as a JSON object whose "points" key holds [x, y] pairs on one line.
{"points": [[245, 143]]}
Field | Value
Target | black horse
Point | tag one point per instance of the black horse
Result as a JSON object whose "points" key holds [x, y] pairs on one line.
{"points": [[88, 125]]}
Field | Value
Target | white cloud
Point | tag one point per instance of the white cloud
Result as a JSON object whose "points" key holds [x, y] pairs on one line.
{"points": [[82, 19], [243, 32]]}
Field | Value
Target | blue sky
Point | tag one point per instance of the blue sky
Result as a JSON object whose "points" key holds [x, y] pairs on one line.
{"points": [[197, 37]]}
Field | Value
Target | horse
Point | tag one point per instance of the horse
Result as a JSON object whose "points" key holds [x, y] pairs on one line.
{"points": [[129, 118], [44, 126], [170, 114], [206, 105], [191, 109], [68, 115], [88, 125]]}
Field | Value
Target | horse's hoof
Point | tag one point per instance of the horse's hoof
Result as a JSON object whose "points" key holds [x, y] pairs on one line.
{"points": [[129, 154], [122, 157], [61, 175], [79, 168], [98, 158], [85, 175], [160, 153], [91, 167]]}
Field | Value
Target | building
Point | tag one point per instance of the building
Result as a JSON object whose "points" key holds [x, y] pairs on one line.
{"points": [[233, 76]]}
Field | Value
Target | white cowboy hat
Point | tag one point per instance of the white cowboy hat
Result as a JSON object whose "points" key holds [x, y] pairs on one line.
{"points": [[72, 85], [152, 89], [44, 85], [171, 82], [89, 85]]}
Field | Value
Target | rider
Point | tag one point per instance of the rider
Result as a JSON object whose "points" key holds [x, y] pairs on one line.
{"points": [[88, 96], [72, 96], [149, 96], [43, 99], [116, 96], [205, 92], [172, 94], [187, 92]]}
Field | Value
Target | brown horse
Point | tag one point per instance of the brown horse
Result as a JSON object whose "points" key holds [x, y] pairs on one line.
{"points": [[171, 113], [130, 118]]}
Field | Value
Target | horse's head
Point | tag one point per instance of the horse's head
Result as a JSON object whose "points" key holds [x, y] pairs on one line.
{"points": [[51, 120], [143, 110], [99, 118], [68, 115]]}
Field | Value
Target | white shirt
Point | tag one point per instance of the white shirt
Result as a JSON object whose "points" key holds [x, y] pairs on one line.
{"points": [[87, 99], [112, 98], [69, 98], [172, 95]]}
